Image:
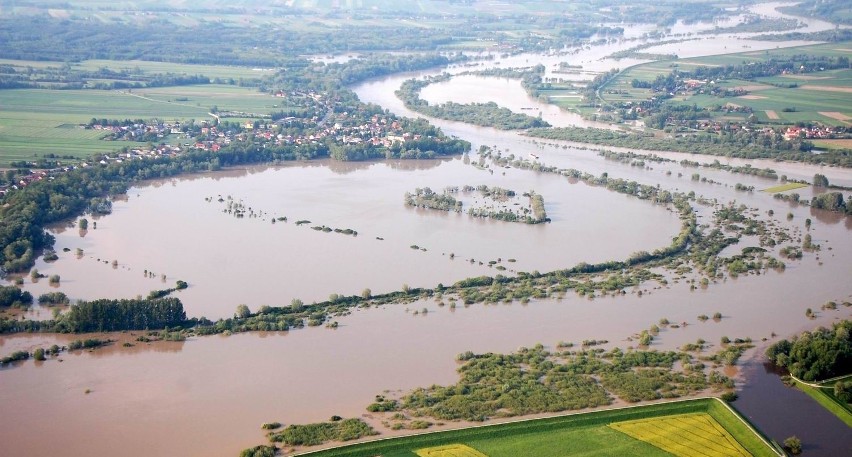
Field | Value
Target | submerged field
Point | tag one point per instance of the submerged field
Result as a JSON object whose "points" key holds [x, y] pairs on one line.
{"points": [[589, 434]]}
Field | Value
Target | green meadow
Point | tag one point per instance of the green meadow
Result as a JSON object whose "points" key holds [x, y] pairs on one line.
{"points": [[824, 96], [586, 434], [824, 395], [35, 122]]}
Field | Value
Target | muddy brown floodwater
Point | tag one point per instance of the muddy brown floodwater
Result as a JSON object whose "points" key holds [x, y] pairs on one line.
{"points": [[784, 411], [208, 396], [228, 261]]}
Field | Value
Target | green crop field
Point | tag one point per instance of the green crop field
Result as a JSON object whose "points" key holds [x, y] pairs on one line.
{"points": [[834, 144], [686, 435], [211, 71], [824, 96], [450, 450], [587, 434], [35, 122]]}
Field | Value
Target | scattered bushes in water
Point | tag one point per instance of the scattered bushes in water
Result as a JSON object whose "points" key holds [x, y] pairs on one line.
{"points": [[323, 432], [12, 296], [90, 343], [791, 252], [533, 380], [427, 198], [53, 298], [259, 451], [155, 294], [729, 396], [793, 444], [14, 357], [382, 405]]}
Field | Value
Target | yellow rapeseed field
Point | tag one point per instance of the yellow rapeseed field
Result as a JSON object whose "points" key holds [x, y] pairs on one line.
{"points": [[450, 450], [688, 435]]}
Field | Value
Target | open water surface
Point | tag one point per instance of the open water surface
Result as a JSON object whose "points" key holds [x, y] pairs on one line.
{"points": [[209, 396]]}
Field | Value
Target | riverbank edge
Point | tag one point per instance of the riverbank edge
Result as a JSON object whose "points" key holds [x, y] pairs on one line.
{"points": [[815, 391]]}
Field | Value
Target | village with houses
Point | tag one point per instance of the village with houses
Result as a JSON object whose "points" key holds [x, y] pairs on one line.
{"points": [[155, 138]]}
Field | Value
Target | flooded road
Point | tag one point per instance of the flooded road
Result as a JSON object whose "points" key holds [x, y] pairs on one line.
{"points": [[208, 396]]}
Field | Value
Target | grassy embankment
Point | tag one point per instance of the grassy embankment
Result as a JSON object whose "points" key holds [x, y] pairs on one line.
{"points": [[825, 397], [588, 434]]}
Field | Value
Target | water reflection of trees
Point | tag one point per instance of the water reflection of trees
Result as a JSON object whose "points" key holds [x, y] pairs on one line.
{"points": [[416, 165], [118, 348], [830, 217], [335, 166]]}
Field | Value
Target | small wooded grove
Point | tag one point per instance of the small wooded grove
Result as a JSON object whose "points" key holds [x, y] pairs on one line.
{"points": [[106, 315], [134, 314], [816, 355]]}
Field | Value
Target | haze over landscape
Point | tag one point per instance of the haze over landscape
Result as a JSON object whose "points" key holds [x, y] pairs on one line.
{"points": [[425, 228]]}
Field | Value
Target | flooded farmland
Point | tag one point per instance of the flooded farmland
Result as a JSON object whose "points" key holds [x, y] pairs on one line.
{"points": [[228, 260], [208, 396]]}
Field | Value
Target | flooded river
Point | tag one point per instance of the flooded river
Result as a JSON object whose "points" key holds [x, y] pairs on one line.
{"points": [[784, 411], [208, 396], [228, 261]]}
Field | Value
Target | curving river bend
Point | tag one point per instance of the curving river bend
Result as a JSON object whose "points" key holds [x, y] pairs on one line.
{"points": [[208, 396]]}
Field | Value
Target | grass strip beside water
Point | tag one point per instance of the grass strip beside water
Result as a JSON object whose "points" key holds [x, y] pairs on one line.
{"points": [[586, 433], [828, 401], [784, 187]]}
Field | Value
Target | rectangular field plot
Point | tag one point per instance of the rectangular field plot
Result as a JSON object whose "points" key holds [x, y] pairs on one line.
{"points": [[586, 434], [688, 435], [449, 450], [784, 187]]}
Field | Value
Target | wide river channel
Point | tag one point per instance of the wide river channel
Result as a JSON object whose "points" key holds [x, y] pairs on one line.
{"points": [[208, 396]]}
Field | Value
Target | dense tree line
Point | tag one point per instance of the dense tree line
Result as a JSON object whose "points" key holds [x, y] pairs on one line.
{"points": [[590, 93], [107, 315], [748, 145], [44, 38], [835, 35], [422, 148], [64, 78], [816, 355], [484, 114], [156, 37], [111, 315]]}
